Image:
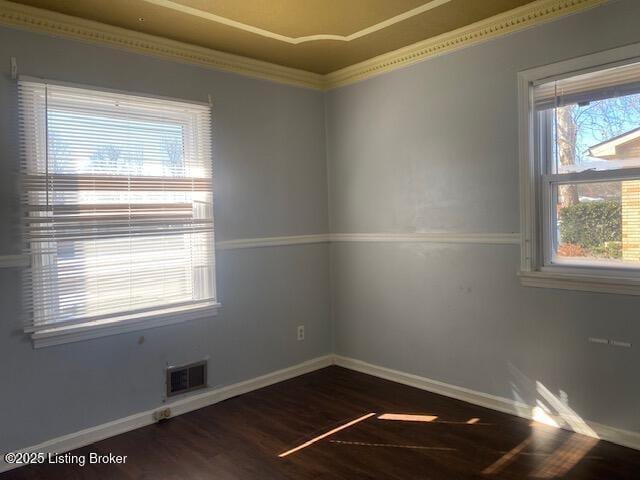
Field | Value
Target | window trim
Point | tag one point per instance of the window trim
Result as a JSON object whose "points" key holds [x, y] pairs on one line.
{"points": [[91, 330], [137, 321], [533, 271]]}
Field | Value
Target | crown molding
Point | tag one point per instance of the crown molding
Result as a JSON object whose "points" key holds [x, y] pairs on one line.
{"points": [[511, 21], [40, 20]]}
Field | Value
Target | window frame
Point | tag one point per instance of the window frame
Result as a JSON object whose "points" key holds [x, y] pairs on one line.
{"points": [[123, 322], [536, 268]]}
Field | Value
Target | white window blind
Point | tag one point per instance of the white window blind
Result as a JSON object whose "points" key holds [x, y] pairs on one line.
{"points": [[117, 206], [588, 87]]}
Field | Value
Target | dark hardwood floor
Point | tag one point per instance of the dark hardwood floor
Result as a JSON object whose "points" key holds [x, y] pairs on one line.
{"points": [[322, 425]]}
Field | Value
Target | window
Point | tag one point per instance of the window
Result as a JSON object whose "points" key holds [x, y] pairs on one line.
{"points": [[580, 136], [118, 211]]}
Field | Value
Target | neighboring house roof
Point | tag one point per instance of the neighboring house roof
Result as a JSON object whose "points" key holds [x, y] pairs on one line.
{"points": [[624, 146]]}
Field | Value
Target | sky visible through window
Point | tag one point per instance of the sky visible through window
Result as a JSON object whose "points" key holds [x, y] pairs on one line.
{"points": [[596, 122], [598, 221], [86, 143], [82, 143]]}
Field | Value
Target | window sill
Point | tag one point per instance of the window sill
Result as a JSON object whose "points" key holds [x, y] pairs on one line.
{"points": [[584, 283], [86, 331]]}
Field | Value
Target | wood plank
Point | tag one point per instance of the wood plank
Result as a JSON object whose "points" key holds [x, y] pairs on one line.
{"points": [[242, 438]]}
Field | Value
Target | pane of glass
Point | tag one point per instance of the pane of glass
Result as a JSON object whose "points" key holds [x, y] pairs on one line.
{"points": [[114, 275], [120, 206], [598, 223], [103, 144], [596, 135]]}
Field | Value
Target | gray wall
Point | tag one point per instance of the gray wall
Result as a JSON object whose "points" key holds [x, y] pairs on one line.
{"points": [[270, 169], [433, 148], [428, 148]]}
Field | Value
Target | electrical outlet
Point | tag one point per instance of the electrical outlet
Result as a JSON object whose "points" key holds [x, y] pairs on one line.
{"points": [[162, 414], [300, 332]]}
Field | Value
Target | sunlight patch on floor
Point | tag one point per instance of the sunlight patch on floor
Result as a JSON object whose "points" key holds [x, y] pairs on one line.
{"points": [[327, 434], [507, 458], [567, 456], [407, 418]]}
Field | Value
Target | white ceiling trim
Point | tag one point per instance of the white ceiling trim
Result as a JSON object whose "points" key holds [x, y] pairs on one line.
{"points": [[297, 40], [527, 16], [40, 20]]}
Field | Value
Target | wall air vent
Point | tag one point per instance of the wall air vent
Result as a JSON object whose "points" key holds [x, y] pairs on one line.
{"points": [[186, 378]]}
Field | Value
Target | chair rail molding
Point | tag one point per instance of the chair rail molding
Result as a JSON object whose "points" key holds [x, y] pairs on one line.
{"points": [[271, 241], [22, 260], [427, 237], [11, 261]]}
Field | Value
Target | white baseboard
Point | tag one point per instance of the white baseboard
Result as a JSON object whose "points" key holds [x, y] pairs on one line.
{"points": [[193, 402], [211, 396], [618, 436]]}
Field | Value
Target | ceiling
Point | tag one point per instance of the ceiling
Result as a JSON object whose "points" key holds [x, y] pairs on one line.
{"points": [[319, 36]]}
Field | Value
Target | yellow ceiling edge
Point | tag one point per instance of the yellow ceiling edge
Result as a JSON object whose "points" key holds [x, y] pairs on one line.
{"points": [[40, 20], [504, 23]]}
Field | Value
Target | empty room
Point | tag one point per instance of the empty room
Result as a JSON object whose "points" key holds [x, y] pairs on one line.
{"points": [[319, 239]]}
